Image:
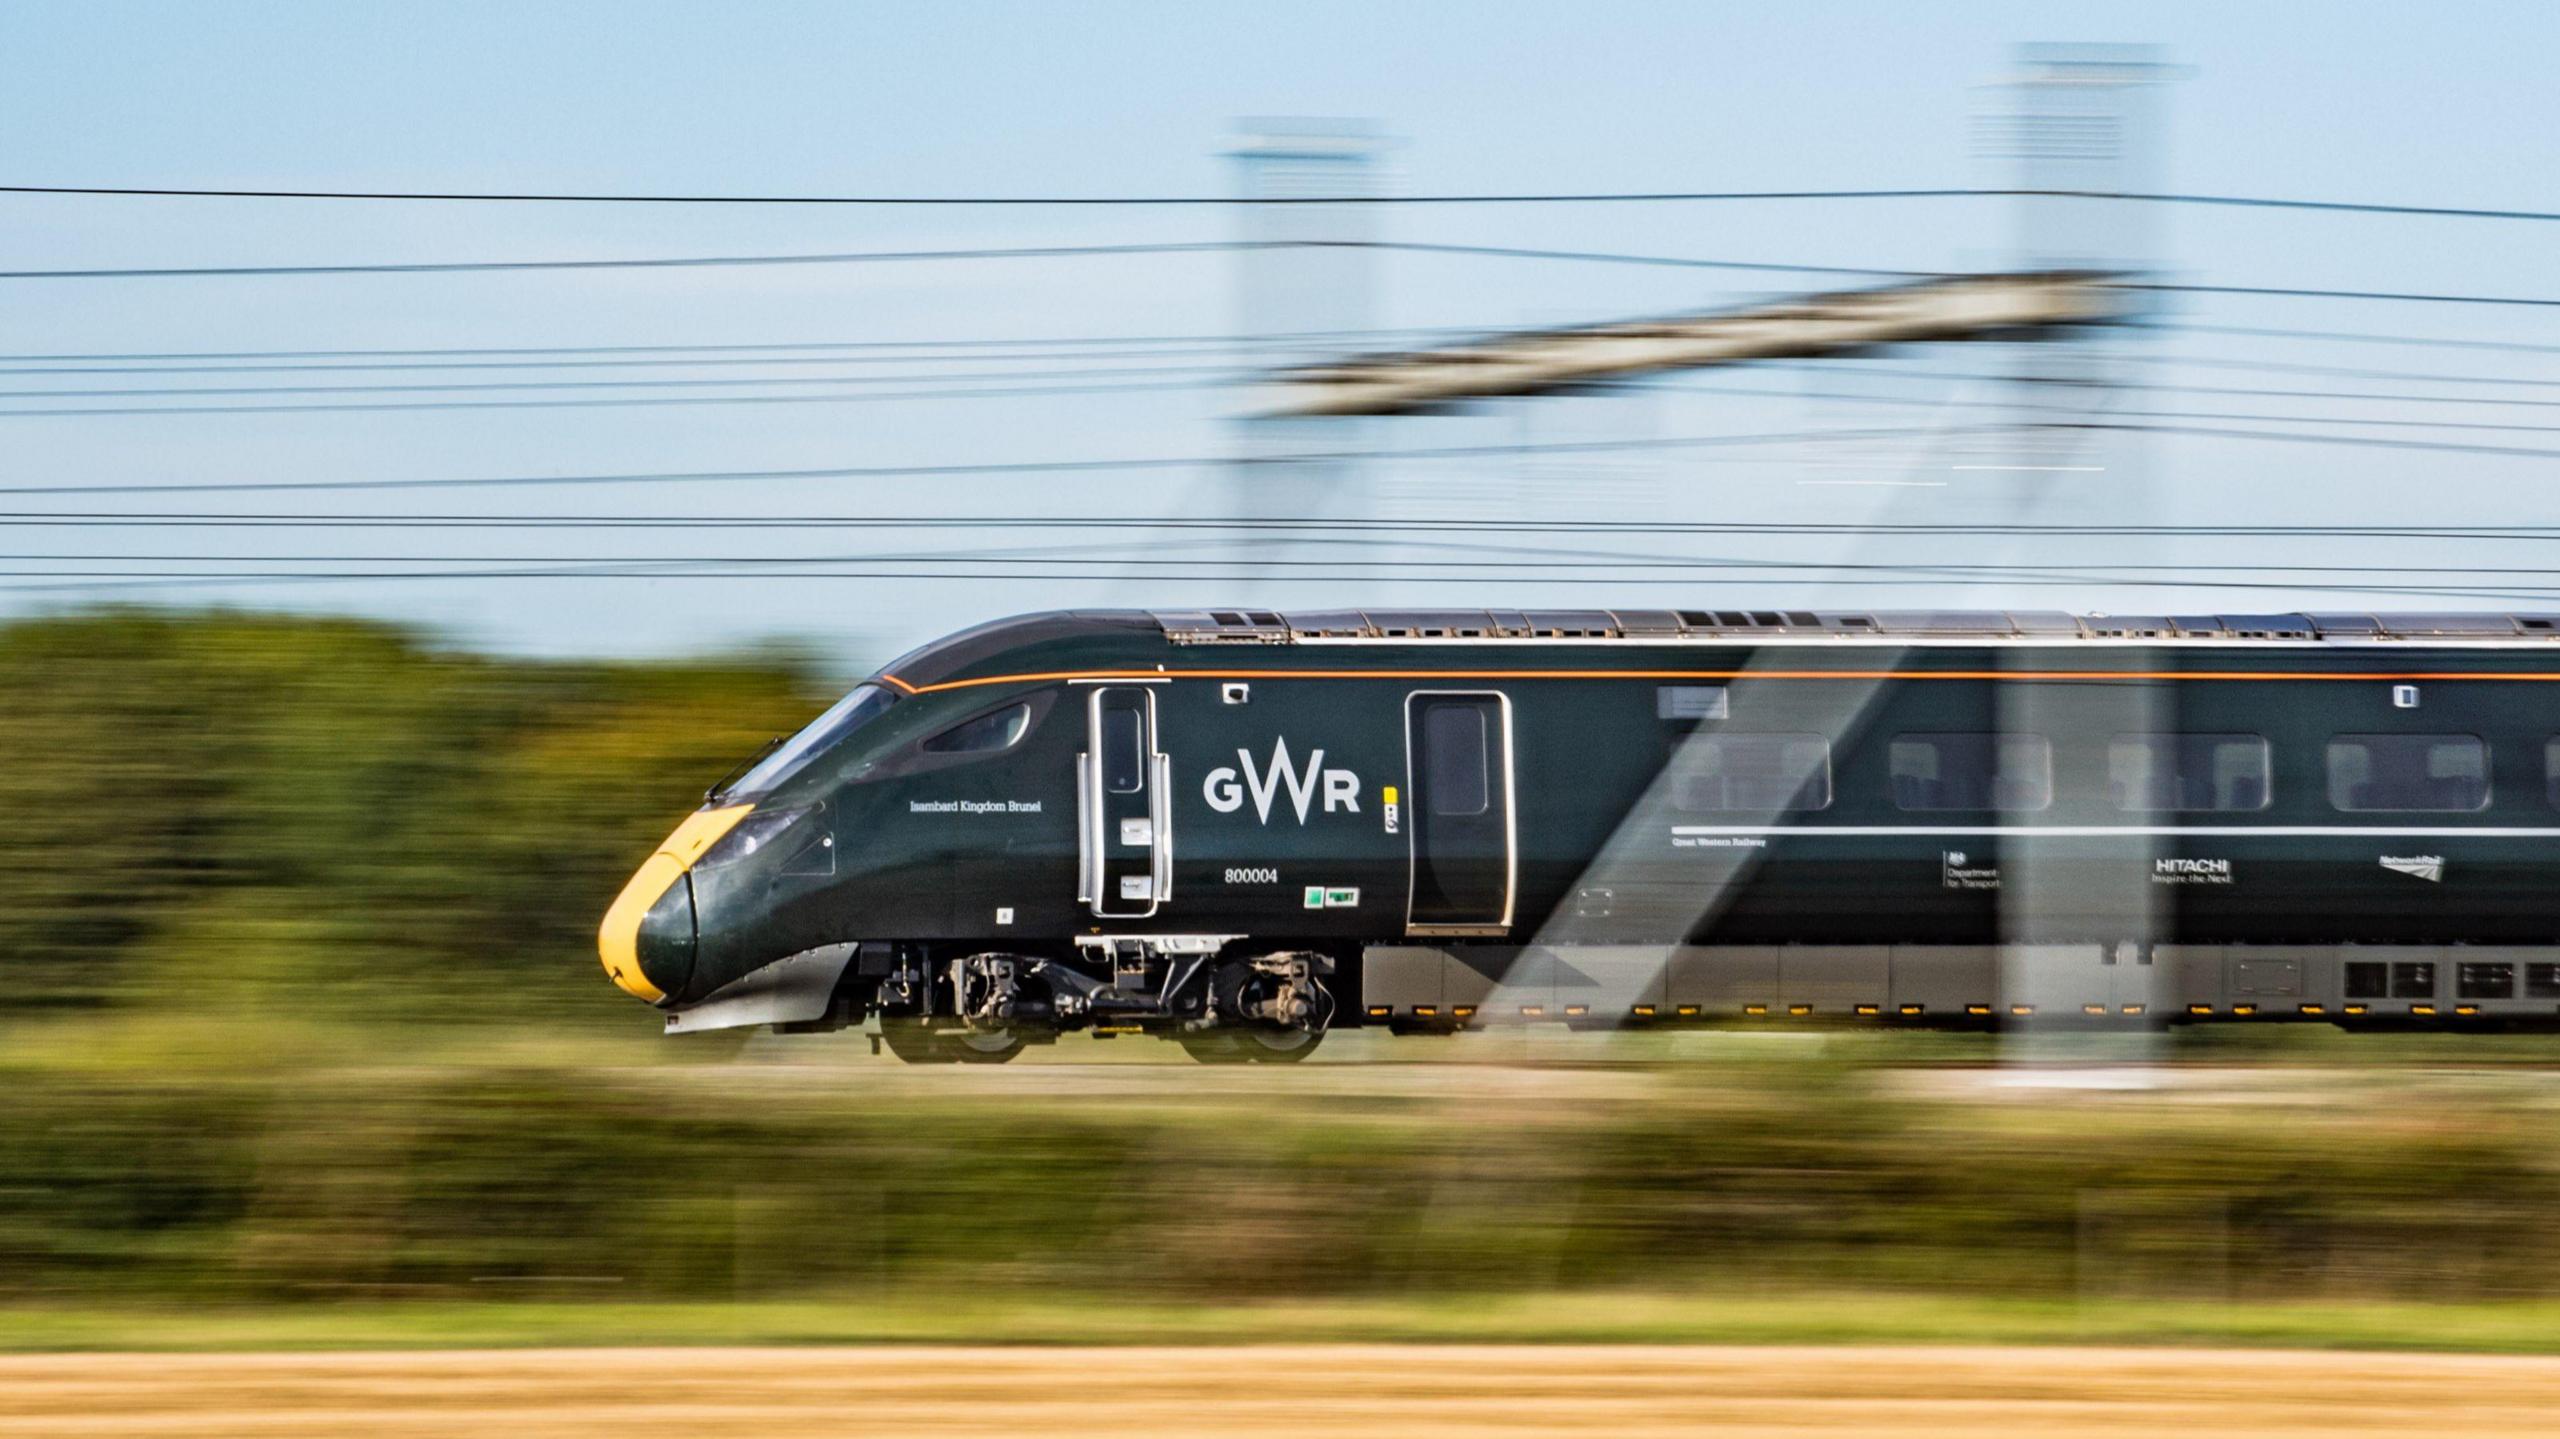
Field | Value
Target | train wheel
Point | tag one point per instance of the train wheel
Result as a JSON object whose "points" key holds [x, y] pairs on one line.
{"points": [[916, 1044], [985, 1046], [1278, 1005], [1252, 1046], [1279, 1046], [1215, 1047]]}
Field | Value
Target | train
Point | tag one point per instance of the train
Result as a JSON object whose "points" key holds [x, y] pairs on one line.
{"points": [[1242, 830]]}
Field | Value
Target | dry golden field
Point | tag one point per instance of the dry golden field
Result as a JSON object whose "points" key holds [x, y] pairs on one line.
{"points": [[1441, 1392]]}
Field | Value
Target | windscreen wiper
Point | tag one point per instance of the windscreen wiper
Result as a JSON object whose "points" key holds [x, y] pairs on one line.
{"points": [[721, 785]]}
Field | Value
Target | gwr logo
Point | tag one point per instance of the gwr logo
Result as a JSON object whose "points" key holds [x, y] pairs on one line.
{"points": [[1226, 793]]}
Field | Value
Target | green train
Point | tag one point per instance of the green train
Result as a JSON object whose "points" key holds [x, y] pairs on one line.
{"points": [[1242, 829]]}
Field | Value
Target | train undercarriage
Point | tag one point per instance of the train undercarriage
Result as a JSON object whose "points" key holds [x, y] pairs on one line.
{"points": [[1222, 1000], [1227, 999]]}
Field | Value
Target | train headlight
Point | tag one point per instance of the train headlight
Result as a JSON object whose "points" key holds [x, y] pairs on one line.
{"points": [[752, 835]]}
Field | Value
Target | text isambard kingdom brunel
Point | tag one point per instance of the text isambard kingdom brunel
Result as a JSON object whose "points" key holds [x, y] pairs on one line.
{"points": [[973, 806]]}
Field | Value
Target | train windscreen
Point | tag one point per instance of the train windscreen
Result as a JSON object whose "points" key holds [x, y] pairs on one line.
{"points": [[842, 718]]}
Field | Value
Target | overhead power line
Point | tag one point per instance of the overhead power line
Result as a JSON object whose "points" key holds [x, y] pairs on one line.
{"points": [[1230, 370], [2365, 442], [970, 343], [60, 581], [987, 384], [1518, 562], [2069, 416], [2057, 385], [1104, 554], [1135, 201], [1200, 377], [1520, 197], [2342, 372], [1140, 464], [2262, 392], [450, 387], [1004, 392], [1017, 252], [2361, 337], [1253, 525], [1132, 464], [1061, 342], [1613, 257], [1090, 359], [1218, 246], [844, 355], [2285, 292]]}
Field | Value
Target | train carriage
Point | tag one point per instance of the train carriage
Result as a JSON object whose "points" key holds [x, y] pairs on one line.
{"points": [[1242, 829]]}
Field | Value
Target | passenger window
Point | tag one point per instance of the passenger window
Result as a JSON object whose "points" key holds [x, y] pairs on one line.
{"points": [[2415, 980], [2442, 773], [2542, 981], [2210, 773], [1455, 776], [2484, 980], [1751, 773], [2551, 770], [2365, 979], [1124, 760], [1972, 771], [995, 730]]}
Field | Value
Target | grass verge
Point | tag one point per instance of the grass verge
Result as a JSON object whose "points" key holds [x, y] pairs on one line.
{"points": [[1580, 1318]]}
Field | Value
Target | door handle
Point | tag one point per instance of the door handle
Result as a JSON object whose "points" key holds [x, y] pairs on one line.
{"points": [[1160, 804], [1088, 835]]}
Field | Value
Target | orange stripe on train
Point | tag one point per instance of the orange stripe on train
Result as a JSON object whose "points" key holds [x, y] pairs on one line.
{"points": [[2006, 675]]}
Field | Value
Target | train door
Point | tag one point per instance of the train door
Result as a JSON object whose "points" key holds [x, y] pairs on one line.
{"points": [[1463, 841], [1123, 806]]}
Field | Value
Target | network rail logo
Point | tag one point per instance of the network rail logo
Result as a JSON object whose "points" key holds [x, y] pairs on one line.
{"points": [[2429, 867]]}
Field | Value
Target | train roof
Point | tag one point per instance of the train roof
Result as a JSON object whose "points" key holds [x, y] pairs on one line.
{"points": [[1073, 638], [1286, 626]]}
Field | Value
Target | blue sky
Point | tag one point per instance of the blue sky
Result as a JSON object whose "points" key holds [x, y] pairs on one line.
{"points": [[2378, 102]]}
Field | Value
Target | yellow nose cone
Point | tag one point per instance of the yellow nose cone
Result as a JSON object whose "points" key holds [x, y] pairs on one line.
{"points": [[618, 939]]}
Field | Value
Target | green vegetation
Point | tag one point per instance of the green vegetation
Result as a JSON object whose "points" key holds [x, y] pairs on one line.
{"points": [[1599, 1317], [303, 1042], [756, 1200], [335, 820]]}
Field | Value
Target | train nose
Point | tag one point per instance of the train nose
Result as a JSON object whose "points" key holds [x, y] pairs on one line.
{"points": [[647, 940], [665, 945]]}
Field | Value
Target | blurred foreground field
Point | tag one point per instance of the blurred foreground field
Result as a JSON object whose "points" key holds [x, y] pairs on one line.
{"points": [[1735, 1198], [303, 1045]]}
